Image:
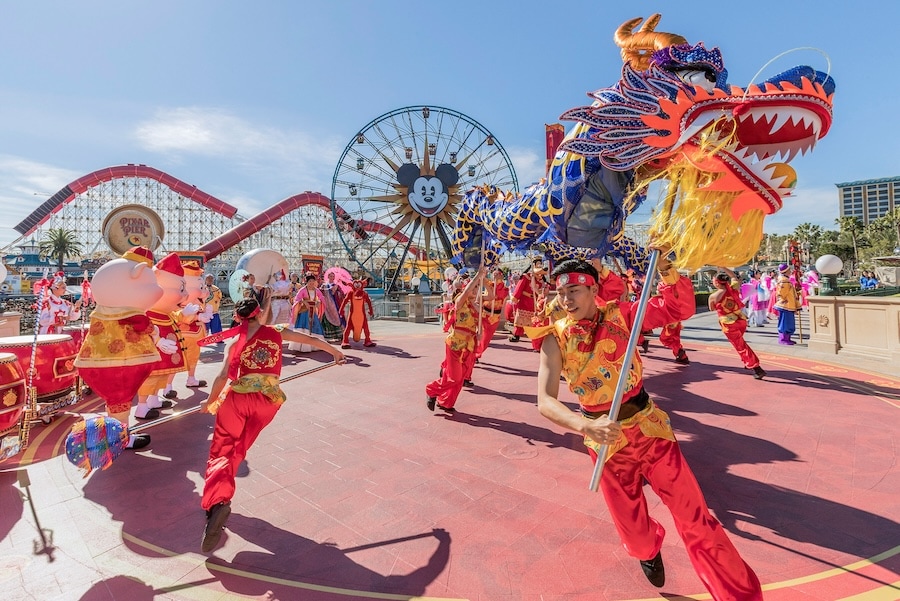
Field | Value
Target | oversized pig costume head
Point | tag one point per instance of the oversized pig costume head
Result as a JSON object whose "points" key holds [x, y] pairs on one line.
{"points": [[194, 282], [170, 277], [128, 282]]}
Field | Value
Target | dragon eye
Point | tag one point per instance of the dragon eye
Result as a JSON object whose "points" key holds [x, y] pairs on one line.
{"points": [[700, 78]]}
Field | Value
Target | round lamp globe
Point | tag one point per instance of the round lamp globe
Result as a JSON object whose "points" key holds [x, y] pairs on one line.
{"points": [[829, 265]]}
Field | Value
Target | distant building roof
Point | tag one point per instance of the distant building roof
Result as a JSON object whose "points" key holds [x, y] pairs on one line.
{"points": [[866, 182]]}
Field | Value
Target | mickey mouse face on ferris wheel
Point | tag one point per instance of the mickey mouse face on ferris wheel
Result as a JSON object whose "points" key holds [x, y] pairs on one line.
{"points": [[428, 194]]}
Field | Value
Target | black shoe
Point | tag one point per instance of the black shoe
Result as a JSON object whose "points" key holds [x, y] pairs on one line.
{"points": [[646, 345], [167, 404], [449, 410], [430, 401], [654, 570], [138, 441], [468, 383], [513, 338], [215, 524], [759, 373], [172, 394], [152, 414], [681, 358]]}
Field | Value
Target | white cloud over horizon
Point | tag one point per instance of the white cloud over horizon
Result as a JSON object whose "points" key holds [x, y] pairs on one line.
{"points": [[290, 159], [24, 185], [818, 206]]}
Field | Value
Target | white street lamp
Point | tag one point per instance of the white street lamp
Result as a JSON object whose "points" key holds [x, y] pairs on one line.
{"points": [[829, 266]]}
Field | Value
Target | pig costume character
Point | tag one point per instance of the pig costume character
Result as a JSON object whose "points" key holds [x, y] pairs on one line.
{"points": [[170, 277], [192, 320], [119, 348]]}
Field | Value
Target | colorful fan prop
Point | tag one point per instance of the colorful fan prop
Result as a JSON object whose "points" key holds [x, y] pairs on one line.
{"points": [[94, 443], [671, 117], [342, 278]]}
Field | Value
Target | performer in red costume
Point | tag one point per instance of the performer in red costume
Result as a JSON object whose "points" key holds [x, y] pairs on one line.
{"points": [[670, 337], [727, 302], [357, 323], [459, 355], [529, 297], [245, 406], [587, 348], [119, 349], [170, 277], [495, 294]]}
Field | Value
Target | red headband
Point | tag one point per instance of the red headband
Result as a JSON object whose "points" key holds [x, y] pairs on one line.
{"points": [[575, 278]]}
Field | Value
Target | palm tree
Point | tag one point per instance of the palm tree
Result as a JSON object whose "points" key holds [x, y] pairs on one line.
{"points": [[808, 235], [853, 228], [60, 244]]}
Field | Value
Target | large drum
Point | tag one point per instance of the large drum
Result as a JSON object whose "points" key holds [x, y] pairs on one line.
{"points": [[77, 333], [12, 392], [54, 363]]}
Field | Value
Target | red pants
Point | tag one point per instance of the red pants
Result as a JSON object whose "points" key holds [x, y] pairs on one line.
{"points": [[659, 461], [457, 366], [239, 421], [488, 330], [735, 334], [670, 337]]}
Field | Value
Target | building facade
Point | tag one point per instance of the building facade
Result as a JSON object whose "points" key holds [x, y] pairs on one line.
{"points": [[869, 199]]}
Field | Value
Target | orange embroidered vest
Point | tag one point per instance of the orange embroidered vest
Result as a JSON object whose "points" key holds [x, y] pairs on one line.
{"points": [[593, 356], [462, 332], [730, 307]]}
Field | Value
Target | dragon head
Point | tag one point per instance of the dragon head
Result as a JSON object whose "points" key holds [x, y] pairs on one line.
{"points": [[673, 110]]}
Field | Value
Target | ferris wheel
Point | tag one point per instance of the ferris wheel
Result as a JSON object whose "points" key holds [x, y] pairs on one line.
{"points": [[397, 185]]}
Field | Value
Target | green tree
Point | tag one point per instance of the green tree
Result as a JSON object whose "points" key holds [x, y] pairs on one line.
{"points": [[852, 228], [808, 235], [60, 244]]}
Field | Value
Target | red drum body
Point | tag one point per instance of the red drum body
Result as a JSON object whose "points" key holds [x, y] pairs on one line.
{"points": [[54, 363], [12, 392], [77, 334]]}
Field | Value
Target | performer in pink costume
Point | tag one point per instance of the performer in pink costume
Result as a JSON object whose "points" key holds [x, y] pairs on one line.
{"points": [[587, 348]]}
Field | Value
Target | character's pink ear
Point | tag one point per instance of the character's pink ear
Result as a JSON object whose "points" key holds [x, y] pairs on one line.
{"points": [[136, 271]]}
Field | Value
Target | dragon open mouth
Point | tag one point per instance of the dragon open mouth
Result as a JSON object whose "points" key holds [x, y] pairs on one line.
{"points": [[754, 135]]}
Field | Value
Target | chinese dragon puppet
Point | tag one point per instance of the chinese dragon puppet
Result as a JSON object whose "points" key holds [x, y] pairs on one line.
{"points": [[721, 151]]}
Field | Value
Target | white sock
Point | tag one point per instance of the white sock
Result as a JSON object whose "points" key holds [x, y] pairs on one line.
{"points": [[153, 402]]}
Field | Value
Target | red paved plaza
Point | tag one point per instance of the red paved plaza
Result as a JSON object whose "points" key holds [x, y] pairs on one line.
{"points": [[356, 491]]}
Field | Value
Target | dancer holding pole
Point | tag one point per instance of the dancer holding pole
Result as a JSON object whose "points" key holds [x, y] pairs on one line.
{"points": [[594, 348], [245, 406]]}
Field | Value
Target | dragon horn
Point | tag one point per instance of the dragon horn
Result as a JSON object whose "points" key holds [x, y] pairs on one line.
{"points": [[637, 46]]}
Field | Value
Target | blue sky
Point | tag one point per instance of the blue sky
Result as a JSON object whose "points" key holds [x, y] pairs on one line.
{"points": [[255, 101]]}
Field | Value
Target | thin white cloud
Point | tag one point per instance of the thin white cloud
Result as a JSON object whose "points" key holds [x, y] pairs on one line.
{"points": [[296, 158], [818, 206], [529, 165], [24, 185]]}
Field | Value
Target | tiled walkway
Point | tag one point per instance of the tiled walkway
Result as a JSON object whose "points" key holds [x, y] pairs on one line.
{"points": [[356, 491]]}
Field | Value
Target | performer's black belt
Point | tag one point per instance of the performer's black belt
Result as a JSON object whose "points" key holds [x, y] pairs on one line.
{"points": [[280, 297], [629, 408], [494, 311]]}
